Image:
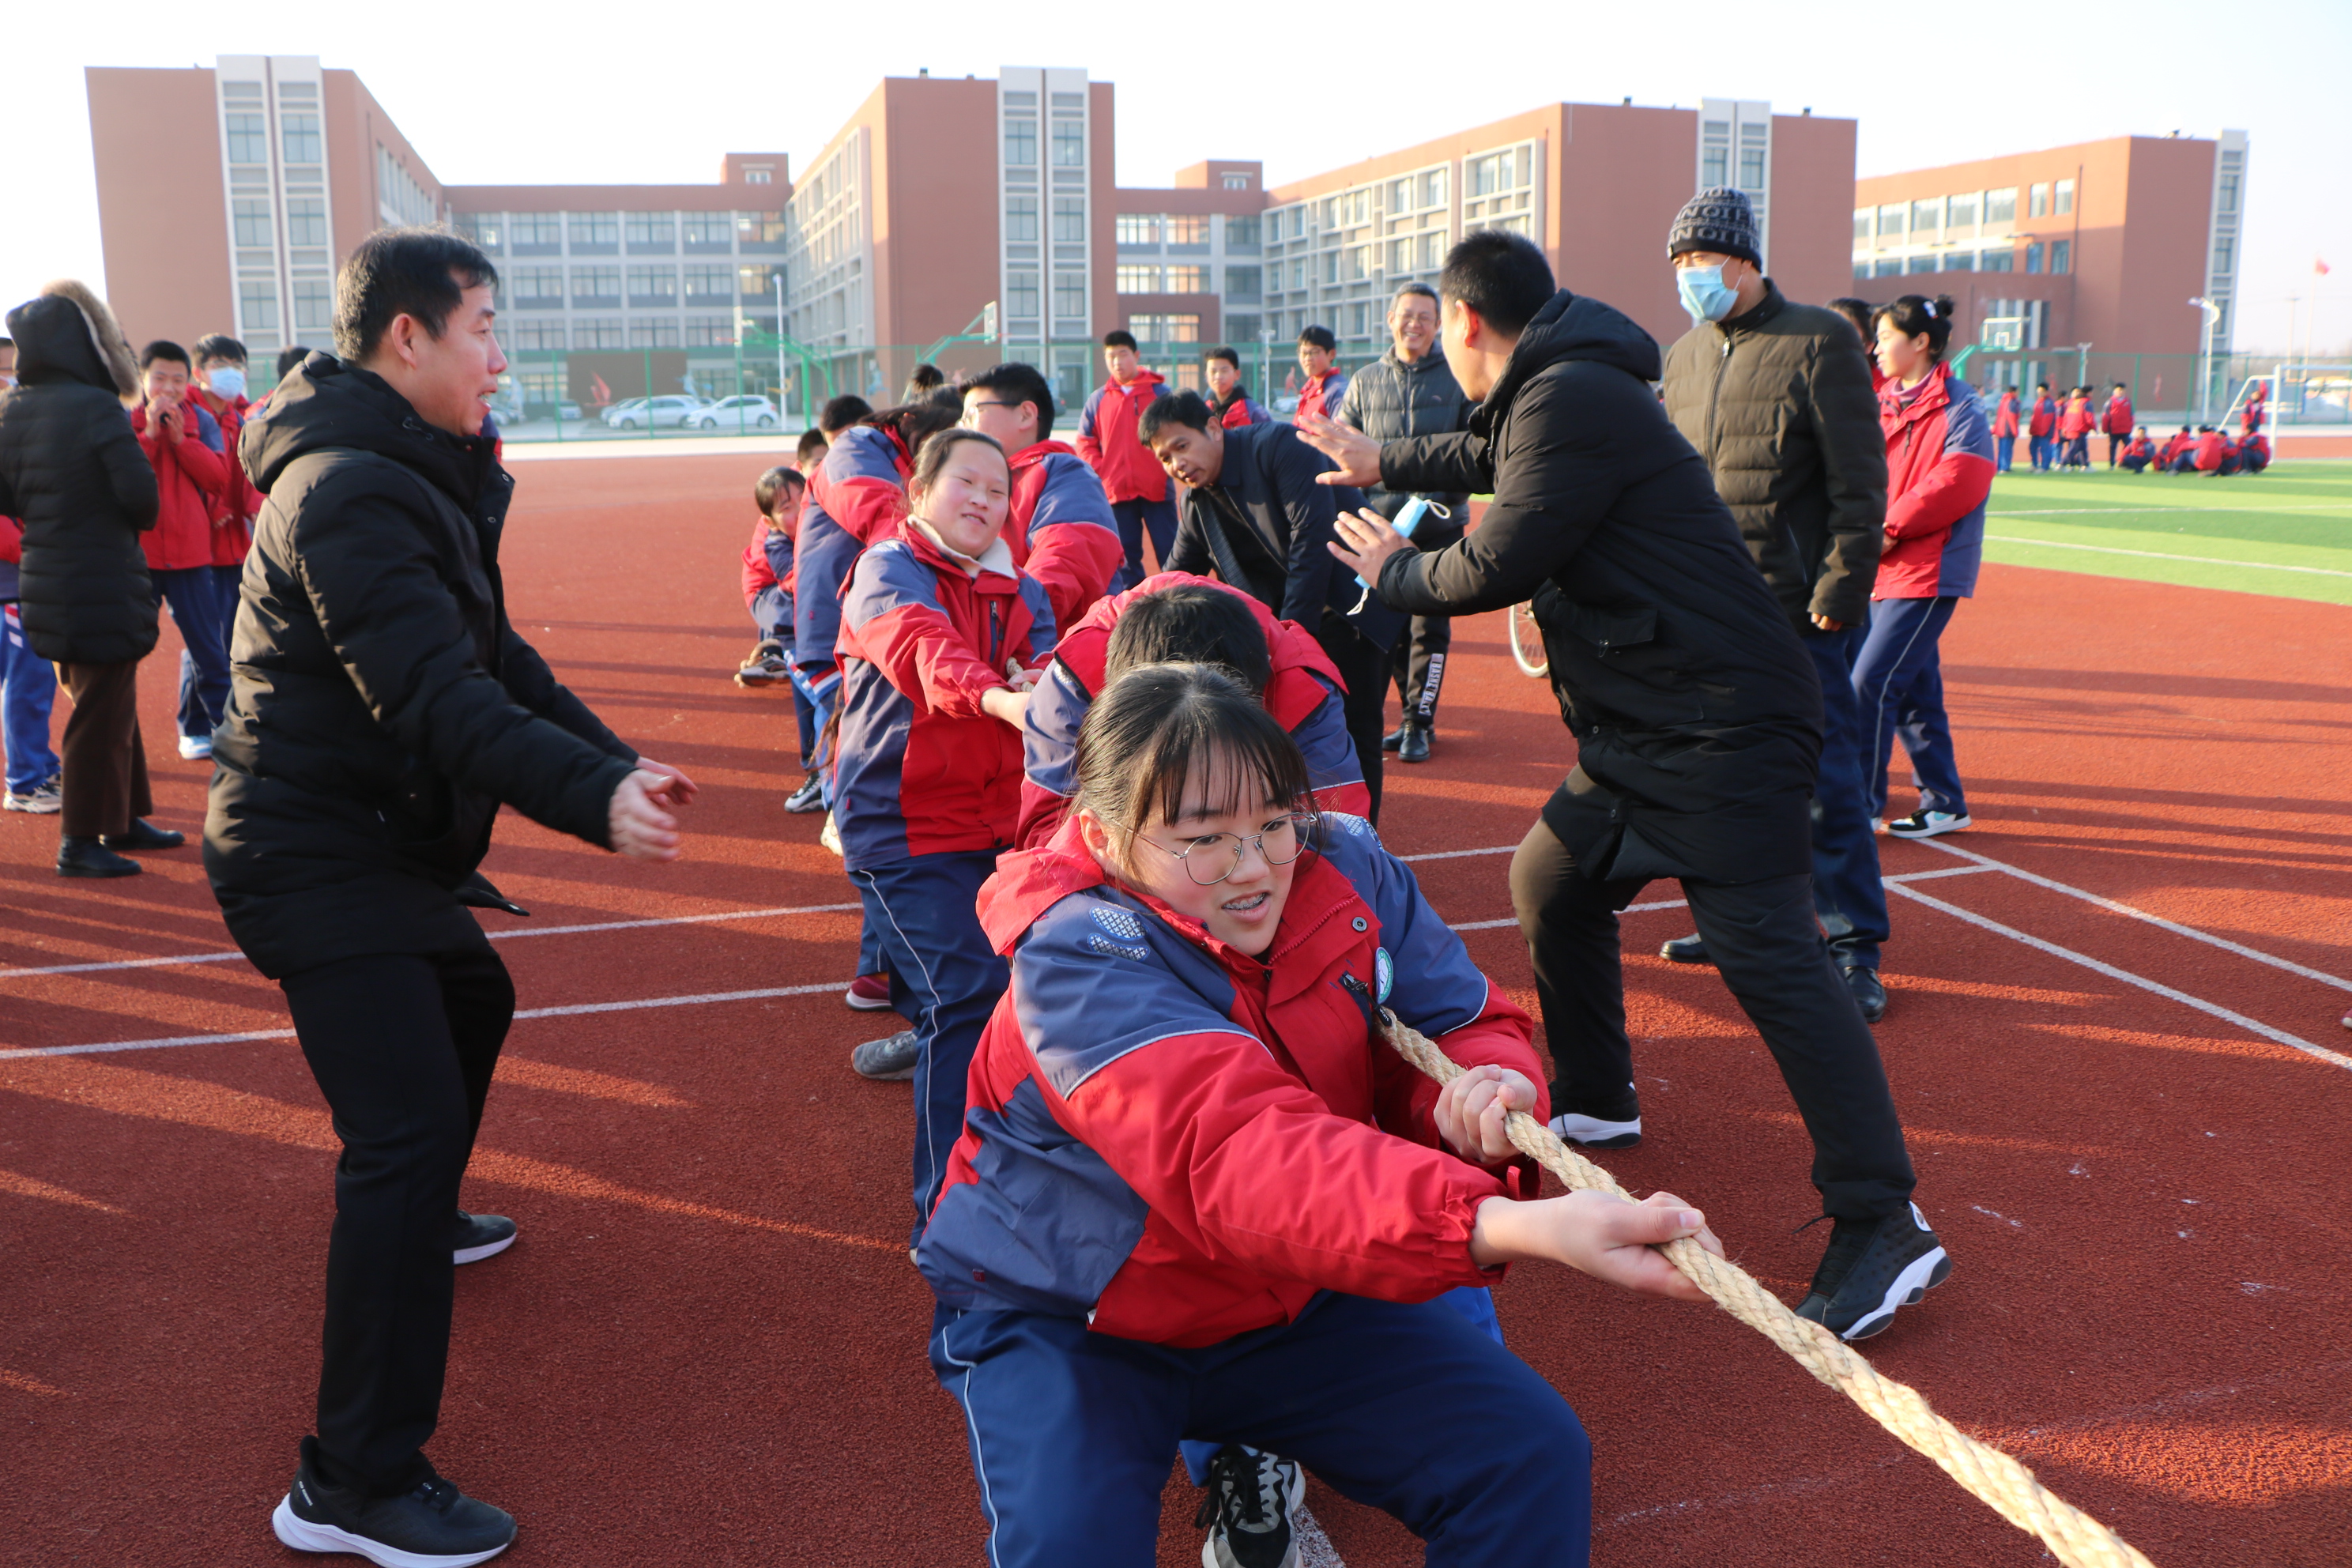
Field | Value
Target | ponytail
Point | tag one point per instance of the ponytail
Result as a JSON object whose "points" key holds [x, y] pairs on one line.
{"points": [[1916, 314]]}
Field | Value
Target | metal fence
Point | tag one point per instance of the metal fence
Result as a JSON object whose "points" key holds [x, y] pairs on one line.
{"points": [[2178, 389]]}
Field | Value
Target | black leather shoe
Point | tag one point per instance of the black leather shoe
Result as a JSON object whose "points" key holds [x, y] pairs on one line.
{"points": [[145, 834], [1685, 949], [1414, 747], [88, 857], [1394, 738], [1868, 994]]}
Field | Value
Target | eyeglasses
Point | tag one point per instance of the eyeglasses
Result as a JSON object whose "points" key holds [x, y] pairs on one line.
{"points": [[1279, 845]]}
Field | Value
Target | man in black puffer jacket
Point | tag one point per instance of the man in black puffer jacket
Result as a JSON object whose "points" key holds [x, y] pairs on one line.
{"points": [[382, 709], [72, 470], [1697, 720]]}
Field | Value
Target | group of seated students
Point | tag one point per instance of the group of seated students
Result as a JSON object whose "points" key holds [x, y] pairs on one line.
{"points": [[2202, 450], [1173, 1190]]}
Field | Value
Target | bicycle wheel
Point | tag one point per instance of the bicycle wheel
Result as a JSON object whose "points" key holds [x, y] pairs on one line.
{"points": [[1527, 642]]}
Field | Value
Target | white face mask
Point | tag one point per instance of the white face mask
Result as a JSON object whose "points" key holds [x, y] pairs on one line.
{"points": [[226, 381]]}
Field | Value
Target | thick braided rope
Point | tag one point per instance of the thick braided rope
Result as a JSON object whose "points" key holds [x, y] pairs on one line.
{"points": [[2008, 1488]]}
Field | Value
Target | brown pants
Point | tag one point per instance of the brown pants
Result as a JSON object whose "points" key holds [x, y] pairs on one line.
{"points": [[105, 765]]}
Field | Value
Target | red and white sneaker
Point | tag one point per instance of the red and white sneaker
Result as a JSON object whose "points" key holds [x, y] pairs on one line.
{"points": [[868, 994]]}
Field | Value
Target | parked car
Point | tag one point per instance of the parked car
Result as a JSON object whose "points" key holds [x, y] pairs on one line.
{"points": [[738, 414], [654, 412]]}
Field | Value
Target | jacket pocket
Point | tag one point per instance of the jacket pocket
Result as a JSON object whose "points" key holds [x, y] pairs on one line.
{"points": [[1605, 630]]}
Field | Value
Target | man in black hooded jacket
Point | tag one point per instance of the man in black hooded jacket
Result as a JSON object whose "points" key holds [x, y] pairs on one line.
{"points": [[382, 708], [1697, 717]]}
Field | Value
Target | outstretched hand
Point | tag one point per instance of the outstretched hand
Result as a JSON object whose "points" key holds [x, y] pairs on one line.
{"points": [[1369, 541], [1357, 455], [1601, 1234]]}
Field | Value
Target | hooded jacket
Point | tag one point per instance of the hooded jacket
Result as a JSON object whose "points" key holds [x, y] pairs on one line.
{"points": [[1180, 1143], [1110, 439], [1306, 695], [381, 706], [1697, 711], [1778, 401], [1939, 471], [72, 470]]}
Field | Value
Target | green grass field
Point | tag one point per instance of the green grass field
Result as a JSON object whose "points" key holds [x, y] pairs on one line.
{"points": [[2287, 531]]}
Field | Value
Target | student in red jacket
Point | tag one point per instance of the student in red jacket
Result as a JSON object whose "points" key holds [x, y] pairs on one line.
{"points": [[2115, 419], [1109, 442], [2139, 452], [768, 583], [2254, 452], [2076, 422], [2004, 426], [1228, 398], [2256, 410], [941, 638], [1196, 1197], [1325, 383], [2212, 447], [1060, 529], [184, 445], [2042, 426], [2179, 453]]}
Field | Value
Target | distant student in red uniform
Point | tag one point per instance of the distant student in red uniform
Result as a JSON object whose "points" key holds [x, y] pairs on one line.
{"points": [[2042, 426], [2115, 419], [1196, 1197], [2256, 410], [2139, 452], [2076, 422], [1061, 529], [2213, 449], [2179, 453], [1111, 447], [1228, 399], [941, 638], [1325, 383], [2004, 426], [2254, 452]]}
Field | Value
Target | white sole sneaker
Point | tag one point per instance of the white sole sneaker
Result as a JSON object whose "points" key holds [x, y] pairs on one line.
{"points": [[1928, 824], [487, 1249], [1924, 1273], [1595, 1133], [304, 1536], [194, 751]]}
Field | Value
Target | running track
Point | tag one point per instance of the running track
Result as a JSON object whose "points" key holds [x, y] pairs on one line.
{"points": [[708, 1346]]}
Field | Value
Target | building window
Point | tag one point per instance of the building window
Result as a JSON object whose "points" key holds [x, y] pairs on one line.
{"points": [[708, 231], [650, 230], [2224, 253], [2225, 194], [1069, 144], [758, 176], [1186, 280], [1922, 264], [1890, 220], [654, 332], [1138, 281], [1069, 220], [1401, 255], [1188, 230], [314, 304], [1330, 269], [257, 305], [537, 288], [252, 221], [757, 282], [1751, 168], [1138, 229], [1963, 213], [595, 285], [1021, 224], [538, 335], [2062, 255], [1861, 225], [1242, 282], [2039, 202], [484, 229], [2034, 257], [1432, 250], [2065, 196], [1234, 181], [543, 231], [709, 283], [1861, 270], [248, 142], [1021, 296], [653, 285], [298, 139], [1241, 329], [598, 333], [1960, 261], [2002, 260], [1715, 168], [1021, 144], [305, 221], [709, 331], [1070, 296], [1432, 188], [1926, 217], [1242, 233], [1888, 268], [2000, 206], [1183, 329], [596, 229], [1299, 273]]}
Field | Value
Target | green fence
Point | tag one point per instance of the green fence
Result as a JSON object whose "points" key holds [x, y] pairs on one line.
{"points": [[2170, 388]]}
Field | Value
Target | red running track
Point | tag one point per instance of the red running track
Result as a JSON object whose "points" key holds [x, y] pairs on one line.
{"points": [[708, 1347]]}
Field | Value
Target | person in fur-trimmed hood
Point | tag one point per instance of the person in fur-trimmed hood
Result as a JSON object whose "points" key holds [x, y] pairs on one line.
{"points": [[71, 468]]}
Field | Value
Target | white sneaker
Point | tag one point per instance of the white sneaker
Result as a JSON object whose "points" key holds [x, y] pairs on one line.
{"points": [[195, 748], [1592, 1132], [43, 799], [1928, 824]]}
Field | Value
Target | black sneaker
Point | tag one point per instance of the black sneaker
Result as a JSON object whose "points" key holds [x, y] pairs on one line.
{"points": [[887, 1059], [144, 836], [480, 1236], [434, 1525], [809, 797], [1869, 993], [1872, 1268], [1685, 949], [1617, 1125], [1247, 1512]]}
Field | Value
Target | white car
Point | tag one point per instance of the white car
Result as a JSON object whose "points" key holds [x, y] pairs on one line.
{"points": [[737, 414], [654, 412]]}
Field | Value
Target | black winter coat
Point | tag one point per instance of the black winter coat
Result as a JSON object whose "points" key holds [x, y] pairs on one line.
{"points": [[382, 705], [1779, 403], [1392, 398], [72, 470], [1697, 711]]}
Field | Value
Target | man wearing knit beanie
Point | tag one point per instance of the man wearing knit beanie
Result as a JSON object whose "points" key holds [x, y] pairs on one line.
{"points": [[1777, 399]]}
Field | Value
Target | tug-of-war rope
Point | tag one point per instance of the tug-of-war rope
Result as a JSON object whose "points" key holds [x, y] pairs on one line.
{"points": [[2002, 1484]]}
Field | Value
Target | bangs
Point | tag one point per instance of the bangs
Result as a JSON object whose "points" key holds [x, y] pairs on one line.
{"points": [[1169, 738], [1213, 774]]}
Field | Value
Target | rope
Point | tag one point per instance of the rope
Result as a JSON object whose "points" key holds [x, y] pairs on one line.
{"points": [[1999, 1482]]}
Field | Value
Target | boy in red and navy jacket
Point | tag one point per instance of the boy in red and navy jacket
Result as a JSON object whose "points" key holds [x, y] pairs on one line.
{"points": [[2076, 422], [1326, 384], [2115, 420], [1228, 399], [1109, 442], [1061, 529], [2139, 452], [2004, 426], [2042, 426], [941, 638]]}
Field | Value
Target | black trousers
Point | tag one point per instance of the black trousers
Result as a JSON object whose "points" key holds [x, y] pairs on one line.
{"points": [[103, 760], [1363, 665], [1767, 945], [1418, 661], [402, 1046]]}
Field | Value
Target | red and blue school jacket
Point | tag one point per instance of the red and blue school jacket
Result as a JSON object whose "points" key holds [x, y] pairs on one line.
{"points": [[1110, 442], [2044, 421], [1061, 529], [1938, 473], [922, 768], [1322, 393], [1307, 697], [767, 563], [1179, 1142], [869, 487]]}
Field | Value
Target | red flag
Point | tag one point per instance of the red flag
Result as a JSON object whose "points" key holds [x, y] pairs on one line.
{"points": [[2319, 265]]}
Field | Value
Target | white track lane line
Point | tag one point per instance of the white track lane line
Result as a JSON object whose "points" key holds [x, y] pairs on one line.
{"points": [[1990, 864], [2162, 556], [494, 936], [2250, 1026]]}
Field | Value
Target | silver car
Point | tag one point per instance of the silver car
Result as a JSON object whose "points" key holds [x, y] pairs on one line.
{"points": [[737, 414], [654, 412]]}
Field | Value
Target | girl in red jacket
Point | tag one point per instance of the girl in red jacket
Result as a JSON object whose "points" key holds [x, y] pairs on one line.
{"points": [[1196, 1197]]}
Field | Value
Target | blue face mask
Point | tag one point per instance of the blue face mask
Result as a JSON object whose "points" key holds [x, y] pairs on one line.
{"points": [[1703, 293], [227, 382]]}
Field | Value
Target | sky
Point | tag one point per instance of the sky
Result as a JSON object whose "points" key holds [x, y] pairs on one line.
{"points": [[528, 95]]}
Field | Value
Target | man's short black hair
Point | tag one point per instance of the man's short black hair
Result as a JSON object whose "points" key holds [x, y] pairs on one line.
{"points": [[841, 413], [418, 272], [1413, 286], [1192, 623], [1118, 338], [219, 346], [1226, 354], [1320, 337], [776, 481], [1500, 275], [289, 358], [813, 444], [1180, 408], [1017, 383], [164, 348]]}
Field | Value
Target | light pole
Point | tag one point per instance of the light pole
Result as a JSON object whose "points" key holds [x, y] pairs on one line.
{"points": [[780, 400], [2205, 356]]}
